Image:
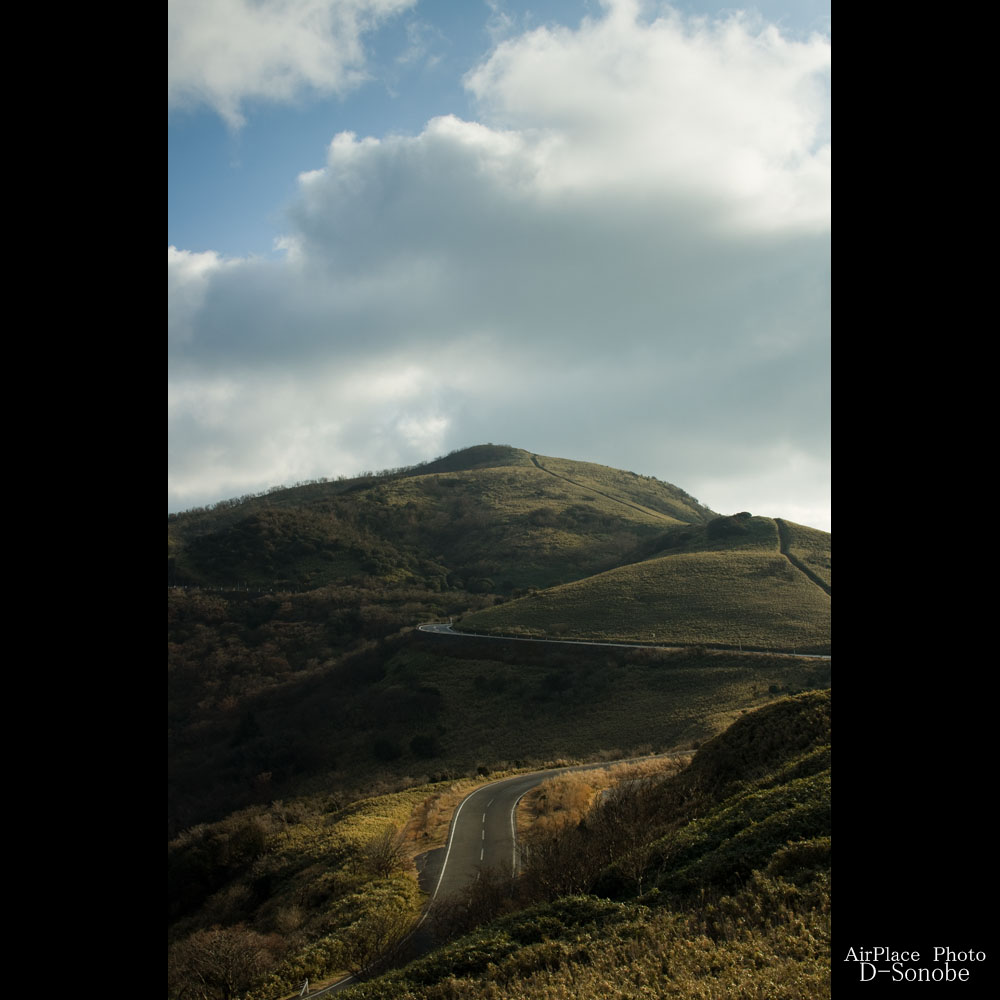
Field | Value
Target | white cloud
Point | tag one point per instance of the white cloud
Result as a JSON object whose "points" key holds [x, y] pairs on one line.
{"points": [[773, 494], [690, 106], [625, 261], [247, 430], [225, 52], [188, 277]]}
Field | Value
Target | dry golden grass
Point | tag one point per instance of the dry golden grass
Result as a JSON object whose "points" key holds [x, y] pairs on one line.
{"points": [[566, 798], [560, 801], [812, 548], [743, 595], [427, 827]]}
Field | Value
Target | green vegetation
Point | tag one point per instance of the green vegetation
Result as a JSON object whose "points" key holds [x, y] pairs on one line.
{"points": [[408, 708], [628, 488], [583, 948], [726, 584], [486, 519], [809, 548], [749, 817], [317, 741], [707, 882], [319, 890]]}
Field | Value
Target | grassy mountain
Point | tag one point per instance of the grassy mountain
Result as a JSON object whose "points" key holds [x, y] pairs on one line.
{"points": [[300, 683], [308, 719], [728, 582], [487, 519]]}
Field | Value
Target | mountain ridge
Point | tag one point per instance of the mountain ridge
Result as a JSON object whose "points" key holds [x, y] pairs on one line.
{"points": [[501, 516]]}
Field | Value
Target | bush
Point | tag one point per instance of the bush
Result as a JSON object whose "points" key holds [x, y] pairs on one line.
{"points": [[728, 527]]}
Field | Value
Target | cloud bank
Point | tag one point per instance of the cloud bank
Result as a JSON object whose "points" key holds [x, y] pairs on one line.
{"points": [[624, 259]]}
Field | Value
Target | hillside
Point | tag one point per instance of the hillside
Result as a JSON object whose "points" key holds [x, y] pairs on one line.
{"points": [[733, 860], [413, 707], [311, 726], [724, 583], [486, 519], [712, 882], [286, 683]]}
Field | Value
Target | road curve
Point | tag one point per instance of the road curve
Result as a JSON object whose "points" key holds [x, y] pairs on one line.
{"points": [[483, 829], [483, 834]]}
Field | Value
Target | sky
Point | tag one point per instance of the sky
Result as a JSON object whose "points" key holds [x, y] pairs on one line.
{"points": [[593, 229]]}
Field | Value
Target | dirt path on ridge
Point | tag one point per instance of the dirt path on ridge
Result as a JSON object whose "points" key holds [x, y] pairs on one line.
{"points": [[783, 541], [591, 489]]}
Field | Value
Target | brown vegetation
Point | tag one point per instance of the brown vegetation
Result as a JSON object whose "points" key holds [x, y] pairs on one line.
{"points": [[713, 882]]}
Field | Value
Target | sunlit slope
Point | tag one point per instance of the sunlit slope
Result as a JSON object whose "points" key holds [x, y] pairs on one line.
{"points": [[489, 519], [712, 883], [518, 526], [627, 487], [810, 547], [730, 591]]}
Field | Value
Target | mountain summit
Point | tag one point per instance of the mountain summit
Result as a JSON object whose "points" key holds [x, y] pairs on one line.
{"points": [[488, 517], [617, 556]]}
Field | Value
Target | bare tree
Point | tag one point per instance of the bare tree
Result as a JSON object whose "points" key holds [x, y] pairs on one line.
{"points": [[384, 855], [220, 963]]}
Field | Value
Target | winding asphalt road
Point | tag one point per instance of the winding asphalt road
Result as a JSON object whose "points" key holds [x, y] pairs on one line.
{"points": [[483, 829], [483, 834]]}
